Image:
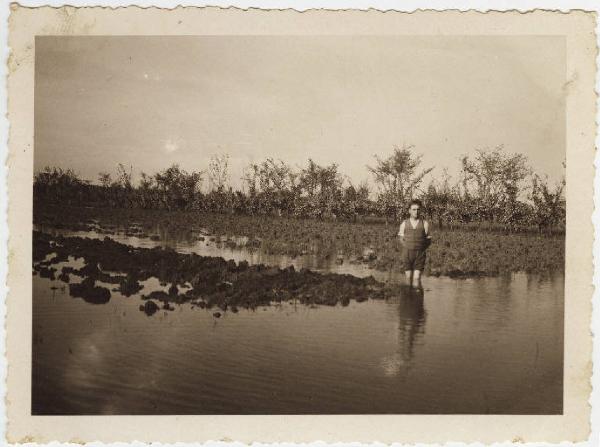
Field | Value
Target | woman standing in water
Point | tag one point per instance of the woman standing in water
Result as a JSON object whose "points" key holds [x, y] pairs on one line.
{"points": [[415, 238]]}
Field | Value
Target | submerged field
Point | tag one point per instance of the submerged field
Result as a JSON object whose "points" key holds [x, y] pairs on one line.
{"points": [[109, 266], [456, 253], [144, 312]]}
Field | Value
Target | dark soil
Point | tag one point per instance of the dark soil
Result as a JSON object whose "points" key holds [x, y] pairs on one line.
{"points": [[215, 282], [90, 292]]}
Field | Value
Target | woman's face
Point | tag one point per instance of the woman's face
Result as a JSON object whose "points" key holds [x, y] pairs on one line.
{"points": [[414, 211]]}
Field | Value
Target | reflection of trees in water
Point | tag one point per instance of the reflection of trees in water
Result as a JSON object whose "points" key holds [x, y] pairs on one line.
{"points": [[411, 326], [554, 281]]}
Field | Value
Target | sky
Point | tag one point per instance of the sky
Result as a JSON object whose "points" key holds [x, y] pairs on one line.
{"points": [[150, 102]]}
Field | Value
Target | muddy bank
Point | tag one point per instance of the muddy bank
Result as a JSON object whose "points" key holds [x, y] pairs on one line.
{"points": [[457, 254], [206, 282]]}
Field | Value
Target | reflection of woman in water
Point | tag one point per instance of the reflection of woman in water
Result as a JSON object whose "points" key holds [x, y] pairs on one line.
{"points": [[411, 312], [411, 325]]}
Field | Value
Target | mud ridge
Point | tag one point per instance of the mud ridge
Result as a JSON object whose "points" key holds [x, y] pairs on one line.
{"points": [[215, 282]]}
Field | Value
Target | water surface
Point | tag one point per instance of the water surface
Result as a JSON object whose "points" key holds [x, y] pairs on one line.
{"points": [[489, 345]]}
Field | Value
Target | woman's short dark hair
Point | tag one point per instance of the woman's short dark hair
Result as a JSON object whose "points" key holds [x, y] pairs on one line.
{"points": [[415, 202]]}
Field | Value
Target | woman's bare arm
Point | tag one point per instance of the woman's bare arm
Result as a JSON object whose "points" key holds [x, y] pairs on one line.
{"points": [[401, 232], [427, 234]]}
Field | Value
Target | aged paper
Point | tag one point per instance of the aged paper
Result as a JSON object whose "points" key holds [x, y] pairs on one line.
{"points": [[577, 28]]}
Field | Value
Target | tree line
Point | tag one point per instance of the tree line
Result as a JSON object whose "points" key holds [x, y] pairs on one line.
{"points": [[494, 189]]}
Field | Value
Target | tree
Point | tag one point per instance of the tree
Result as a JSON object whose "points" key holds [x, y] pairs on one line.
{"points": [[494, 178], [355, 200], [398, 177], [272, 185], [443, 201], [548, 204], [177, 188], [320, 188], [218, 172], [59, 186], [105, 179], [147, 197], [124, 177]]}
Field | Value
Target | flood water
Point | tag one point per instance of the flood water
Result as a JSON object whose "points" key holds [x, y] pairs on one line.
{"points": [[486, 345]]}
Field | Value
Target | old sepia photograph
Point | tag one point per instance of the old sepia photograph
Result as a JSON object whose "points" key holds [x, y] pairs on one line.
{"points": [[232, 225], [263, 225]]}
